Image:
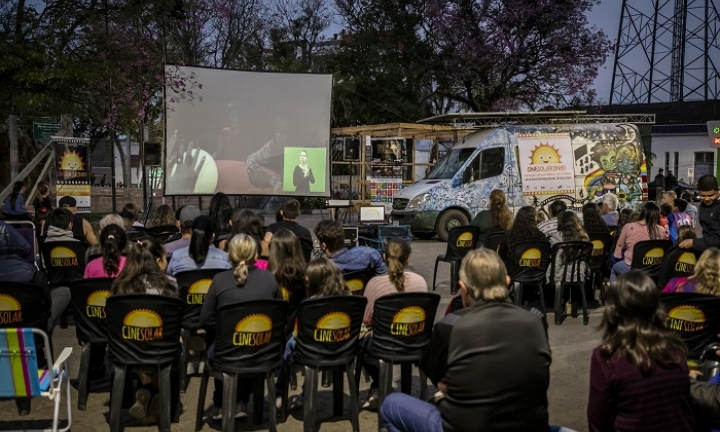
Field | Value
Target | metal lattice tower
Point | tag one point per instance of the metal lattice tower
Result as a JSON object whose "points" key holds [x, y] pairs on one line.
{"points": [[667, 51]]}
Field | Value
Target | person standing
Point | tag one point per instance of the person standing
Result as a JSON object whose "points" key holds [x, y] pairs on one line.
{"points": [[303, 175], [103, 180], [671, 182], [659, 185], [708, 215]]}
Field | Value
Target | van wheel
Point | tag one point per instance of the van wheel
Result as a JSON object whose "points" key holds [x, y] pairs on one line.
{"points": [[449, 220], [424, 235]]}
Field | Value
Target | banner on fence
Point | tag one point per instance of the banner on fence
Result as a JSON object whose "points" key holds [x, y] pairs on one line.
{"points": [[72, 170]]}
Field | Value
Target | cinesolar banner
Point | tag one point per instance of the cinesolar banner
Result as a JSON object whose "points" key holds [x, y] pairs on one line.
{"points": [[72, 170]]}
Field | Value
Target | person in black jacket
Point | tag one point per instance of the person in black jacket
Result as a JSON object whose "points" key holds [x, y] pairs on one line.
{"points": [[671, 182], [494, 379], [709, 216]]}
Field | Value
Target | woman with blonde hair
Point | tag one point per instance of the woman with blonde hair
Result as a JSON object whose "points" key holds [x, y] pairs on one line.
{"points": [[497, 218], [705, 278], [244, 282]]}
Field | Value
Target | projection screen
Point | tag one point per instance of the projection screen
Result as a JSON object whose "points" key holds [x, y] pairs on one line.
{"points": [[249, 133]]}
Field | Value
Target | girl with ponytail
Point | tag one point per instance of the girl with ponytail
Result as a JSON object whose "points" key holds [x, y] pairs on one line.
{"points": [[496, 218], [112, 243], [201, 254], [242, 283]]}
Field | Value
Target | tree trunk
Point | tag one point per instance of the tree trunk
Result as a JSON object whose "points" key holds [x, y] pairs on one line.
{"points": [[121, 158], [13, 134]]}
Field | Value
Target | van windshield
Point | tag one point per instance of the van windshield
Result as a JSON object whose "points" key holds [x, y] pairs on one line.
{"points": [[450, 164]]}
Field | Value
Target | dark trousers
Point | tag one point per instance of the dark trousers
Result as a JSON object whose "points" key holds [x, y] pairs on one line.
{"points": [[244, 387], [370, 364]]}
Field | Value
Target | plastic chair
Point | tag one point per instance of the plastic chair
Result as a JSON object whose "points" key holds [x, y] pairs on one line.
{"points": [[530, 261], [164, 233], [64, 261], [461, 240], [88, 301], [695, 317], [357, 280], [144, 336], [193, 287], [23, 305], [648, 256], [573, 255], [249, 341], [677, 263], [494, 241], [598, 264], [402, 326], [327, 339], [23, 378]]}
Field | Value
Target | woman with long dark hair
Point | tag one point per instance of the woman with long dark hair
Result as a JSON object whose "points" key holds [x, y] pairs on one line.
{"points": [[287, 263], [201, 254], [14, 205], [496, 218], [221, 212], [638, 375], [524, 228], [112, 244], [42, 198], [647, 228], [569, 229], [164, 216], [239, 220], [592, 219]]}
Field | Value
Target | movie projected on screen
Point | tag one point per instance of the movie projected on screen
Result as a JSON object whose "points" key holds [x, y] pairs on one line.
{"points": [[246, 133]]}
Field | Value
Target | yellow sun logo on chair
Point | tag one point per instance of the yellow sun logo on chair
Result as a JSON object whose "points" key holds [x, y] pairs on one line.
{"points": [[531, 258], [465, 240], [255, 323], [409, 321], [653, 256], [62, 252], [333, 327], [142, 318], [98, 298], [71, 161], [197, 292], [9, 303], [686, 263], [545, 153], [685, 318], [598, 247], [355, 285]]}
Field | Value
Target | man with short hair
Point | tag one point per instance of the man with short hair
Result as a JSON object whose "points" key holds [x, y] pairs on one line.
{"points": [[331, 236], [60, 226], [490, 360], [609, 209], [81, 228], [709, 216], [184, 217], [659, 185], [550, 227], [290, 211], [671, 182]]}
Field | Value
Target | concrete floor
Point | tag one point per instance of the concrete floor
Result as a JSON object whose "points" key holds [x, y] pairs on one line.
{"points": [[571, 344]]}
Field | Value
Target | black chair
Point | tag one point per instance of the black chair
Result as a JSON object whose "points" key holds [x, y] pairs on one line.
{"points": [[138, 234], [144, 336], [88, 301], [494, 241], [572, 256], [696, 318], [530, 261], [64, 261], [357, 280], [307, 248], [193, 286], [677, 263], [23, 305], [249, 341], [598, 264], [164, 233], [402, 326], [461, 240], [648, 256], [327, 339]]}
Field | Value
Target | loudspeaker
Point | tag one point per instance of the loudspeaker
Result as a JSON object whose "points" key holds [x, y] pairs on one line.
{"points": [[153, 154], [351, 150]]}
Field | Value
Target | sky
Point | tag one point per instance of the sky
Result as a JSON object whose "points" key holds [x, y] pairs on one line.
{"points": [[606, 16]]}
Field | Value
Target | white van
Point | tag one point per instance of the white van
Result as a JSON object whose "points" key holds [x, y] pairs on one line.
{"points": [[533, 165]]}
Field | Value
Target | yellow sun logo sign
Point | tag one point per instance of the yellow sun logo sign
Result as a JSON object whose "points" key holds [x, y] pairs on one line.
{"points": [[409, 321], [333, 327], [685, 318], [545, 153], [253, 330], [71, 161], [531, 258], [142, 325]]}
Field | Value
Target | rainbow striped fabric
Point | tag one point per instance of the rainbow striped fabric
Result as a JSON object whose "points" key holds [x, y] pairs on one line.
{"points": [[18, 361]]}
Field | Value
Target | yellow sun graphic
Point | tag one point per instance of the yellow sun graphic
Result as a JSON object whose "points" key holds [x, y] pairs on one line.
{"points": [[410, 315], [532, 254], [688, 258], [334, 321], [545, 153], [98, 298], [8, 303], [62, 252], [71, 161], [255, 323], [687, 313], [142, 318], [355, 285], [200, 287], [655, 253]]}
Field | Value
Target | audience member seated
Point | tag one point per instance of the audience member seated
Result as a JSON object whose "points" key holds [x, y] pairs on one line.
{"points": [[608, 209], [184, 217], [648, 228], [221, 212], [42, 198], [14, 205], [287, 263], [690, 210], [638, 375], [496, 219], [244, 282], [290, 212], [130, 214], [490, 360], [81, 228], [201, 254], [108, 219], [667, 272], [665, 210], [60, 226], [705, 278], [163, 216], [678, 218], [256, 230], [569, 229], [549, 227], [524, 229], [113, 242], [592, 221], [240, 219], [332, 242], [398, 280]]}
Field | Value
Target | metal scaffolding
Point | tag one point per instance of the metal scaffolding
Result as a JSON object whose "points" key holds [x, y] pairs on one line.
{"points": [[497, 119]]}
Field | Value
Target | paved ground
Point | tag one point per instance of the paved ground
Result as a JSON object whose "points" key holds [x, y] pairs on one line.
{"points": [[571, 344]]}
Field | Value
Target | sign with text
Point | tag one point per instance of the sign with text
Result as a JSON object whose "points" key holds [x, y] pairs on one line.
{"points": [[547, 164], [714, 133], [72, 170], [43, 131]]}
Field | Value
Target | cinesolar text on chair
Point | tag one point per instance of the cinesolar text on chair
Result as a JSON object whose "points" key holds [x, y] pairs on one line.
{"points": [[327, 339], [402, 325], [249, 342], [598, 264], [64, 262], [572, 256], [461, 240], [648, 257], [531, 260], [193, 287]]}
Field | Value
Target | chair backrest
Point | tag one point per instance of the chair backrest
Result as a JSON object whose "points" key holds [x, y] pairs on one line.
{"points": [[602, 244], [696, 318], [494, 241], [137, 235], [27, 230], [64, 261], [307, 248], [402, 324], [193, 287], [677, 263], [164, 229], [19, 363], [328, 330], [88, 301], [648, 256], [461, 240], [250, 336], [357, 280], [144, 329], [530, 260], [22, 305], [570, 256]]}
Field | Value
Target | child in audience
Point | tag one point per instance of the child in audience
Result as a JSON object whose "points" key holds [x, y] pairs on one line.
{"points": [[678, 218], [524, 228], [42, 198], [705, 278], [592, 220], [638, 375], [112, 242], [665, 211]]}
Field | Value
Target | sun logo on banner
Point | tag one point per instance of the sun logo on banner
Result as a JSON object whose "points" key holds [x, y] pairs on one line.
{"points": [[71, 161], [685, 318], [545, 153]]}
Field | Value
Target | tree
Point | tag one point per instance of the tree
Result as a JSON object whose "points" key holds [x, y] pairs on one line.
{"points": [[297, 34], [510, 54]]}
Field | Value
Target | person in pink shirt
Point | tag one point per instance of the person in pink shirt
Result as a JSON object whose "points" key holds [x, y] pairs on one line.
{"points": [[647, 228], [112, 241]]}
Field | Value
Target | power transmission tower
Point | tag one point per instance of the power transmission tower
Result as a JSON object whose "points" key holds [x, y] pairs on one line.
{"points": [[667, 51]]}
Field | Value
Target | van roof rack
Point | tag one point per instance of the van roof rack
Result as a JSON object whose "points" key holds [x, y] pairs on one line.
{"points": [[509, 118]]}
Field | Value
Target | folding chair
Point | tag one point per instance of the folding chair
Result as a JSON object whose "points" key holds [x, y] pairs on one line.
{"points": [[21, 377]]}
